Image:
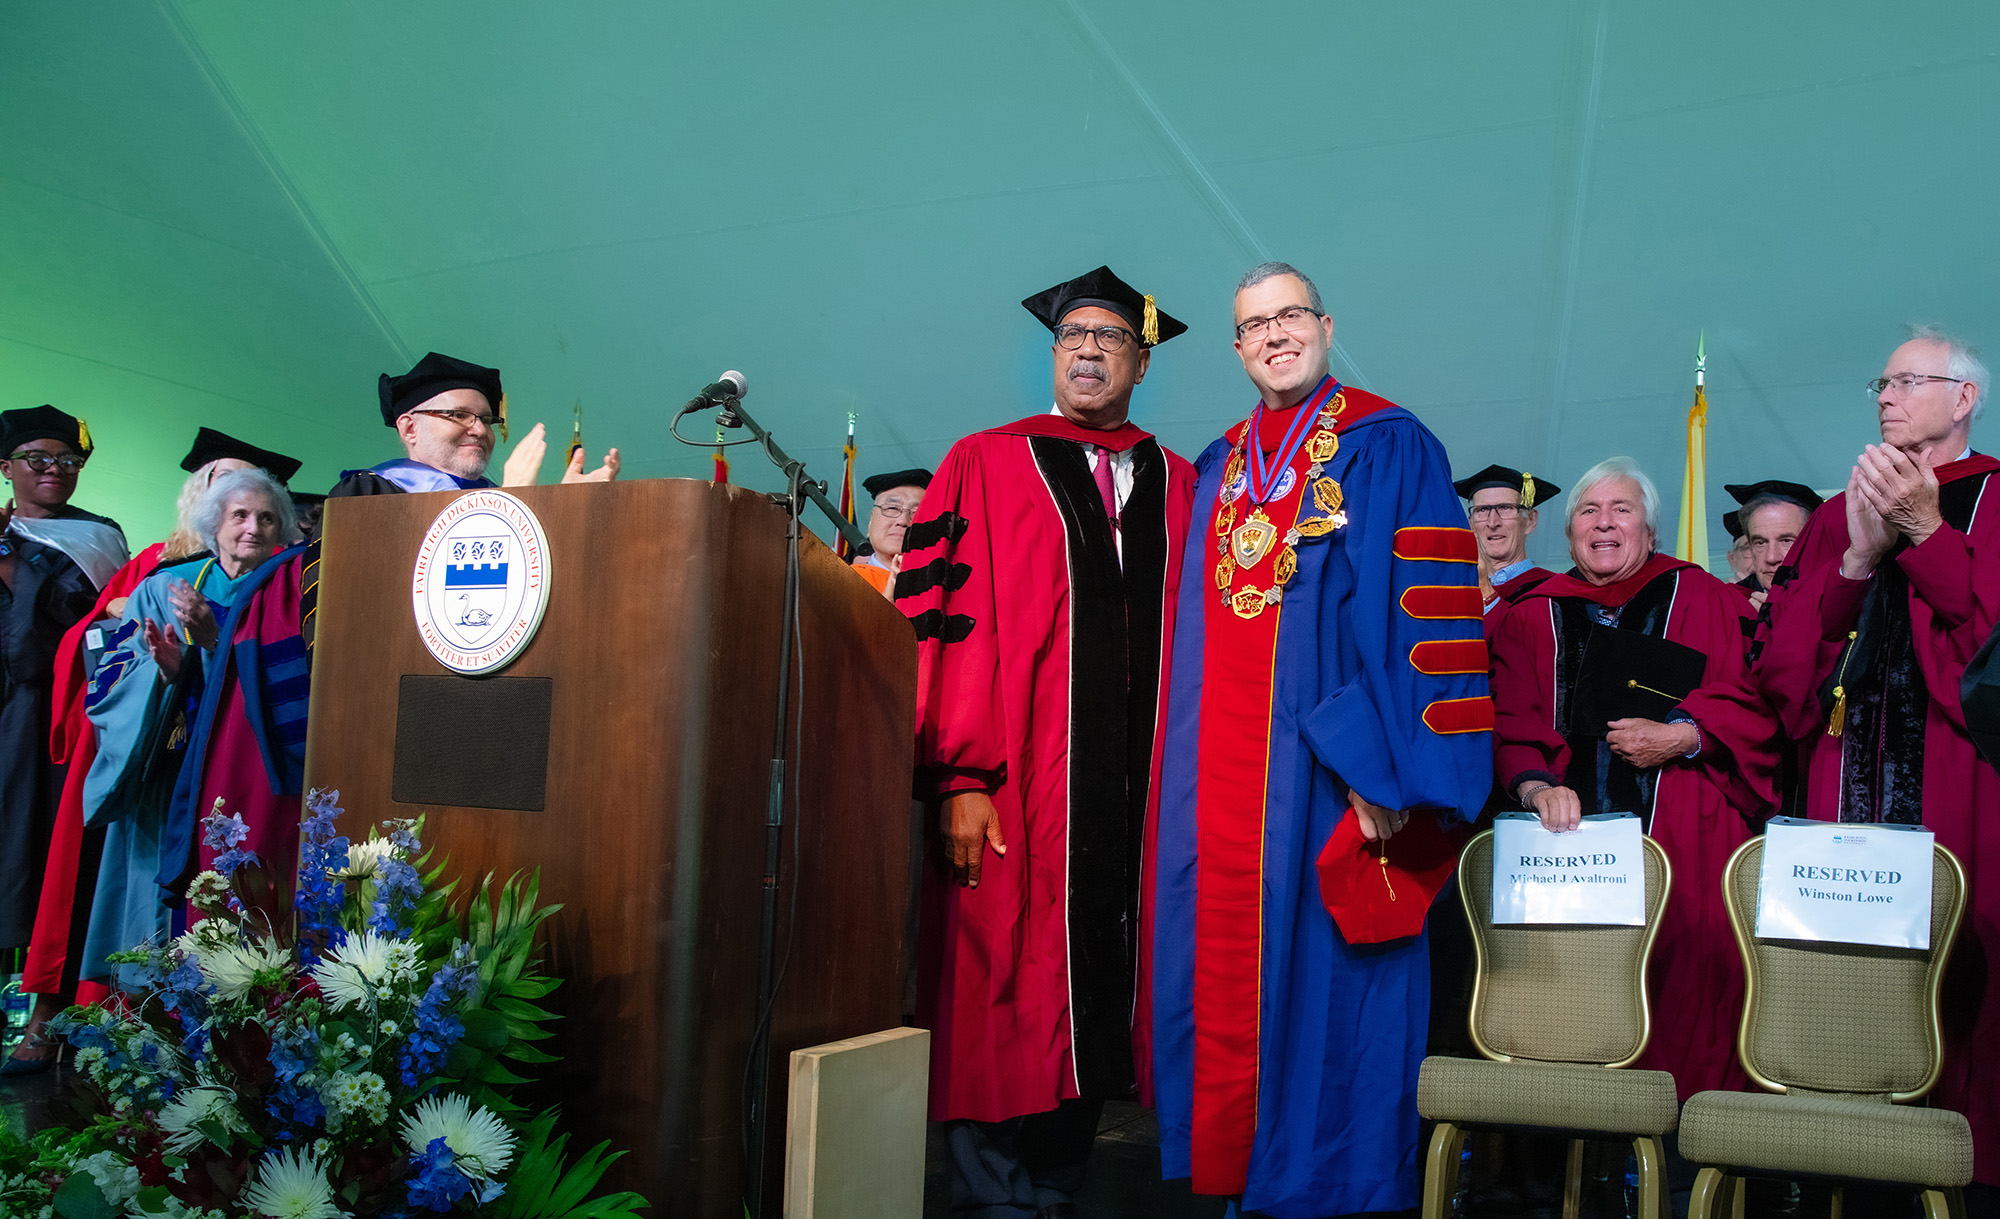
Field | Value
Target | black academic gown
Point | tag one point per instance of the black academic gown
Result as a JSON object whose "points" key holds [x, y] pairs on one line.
{"points": [[50, 593]]}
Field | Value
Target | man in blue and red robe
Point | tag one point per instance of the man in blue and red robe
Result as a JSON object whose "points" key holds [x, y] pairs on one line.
{"points": [[1040, 574], [1327, 667]]}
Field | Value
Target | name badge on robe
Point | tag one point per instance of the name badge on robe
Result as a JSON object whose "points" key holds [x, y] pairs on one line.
{"points": [[1846, 883], [1594, 874]]}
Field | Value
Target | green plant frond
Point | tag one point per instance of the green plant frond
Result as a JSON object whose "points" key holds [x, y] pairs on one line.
{"points": [[544, 1186]]}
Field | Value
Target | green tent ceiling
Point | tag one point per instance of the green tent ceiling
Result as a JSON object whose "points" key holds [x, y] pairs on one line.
{"points": [[238, 212]]}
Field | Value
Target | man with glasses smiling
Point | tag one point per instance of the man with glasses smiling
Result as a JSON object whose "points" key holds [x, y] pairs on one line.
{"points": [[1040, 577], [449, 413], [1881, 601], [1502, 505], [1328, 719], [896, 497]]}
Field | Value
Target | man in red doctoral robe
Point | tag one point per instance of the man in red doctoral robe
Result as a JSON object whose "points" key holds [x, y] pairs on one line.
{"points": [[1892, 587], [1039, 574], [1700, 775]]}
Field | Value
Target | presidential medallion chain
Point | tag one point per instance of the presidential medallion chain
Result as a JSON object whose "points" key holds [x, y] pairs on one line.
{"points": [[1243, 547]]}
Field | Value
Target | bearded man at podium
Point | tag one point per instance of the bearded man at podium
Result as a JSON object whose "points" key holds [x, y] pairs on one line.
{"points": [[1038, 574]]}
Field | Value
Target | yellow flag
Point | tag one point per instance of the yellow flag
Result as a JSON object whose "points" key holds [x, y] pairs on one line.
{"points": [[1692, 542]]}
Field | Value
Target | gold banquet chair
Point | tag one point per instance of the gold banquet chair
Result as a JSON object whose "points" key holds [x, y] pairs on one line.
{"points": [[1846, 1035], [1557, 1010]]}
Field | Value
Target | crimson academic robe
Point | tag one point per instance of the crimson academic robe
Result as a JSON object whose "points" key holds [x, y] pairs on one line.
{"points": [[1903, 754], [1038, 680], [1699, 809], [1286, 1056], [71, 876]]}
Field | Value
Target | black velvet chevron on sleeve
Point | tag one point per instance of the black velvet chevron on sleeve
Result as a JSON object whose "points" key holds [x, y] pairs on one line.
{"points": [[934, 624], [939, 572], [944, 527]]}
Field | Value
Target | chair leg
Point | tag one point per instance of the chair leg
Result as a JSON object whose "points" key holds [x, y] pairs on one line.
{"points": [[1651, 1154], [1839, 1202], [1943, 1204], [1573, 1181], [1739, 1189], [1710, 1190], [1441, 1170]]}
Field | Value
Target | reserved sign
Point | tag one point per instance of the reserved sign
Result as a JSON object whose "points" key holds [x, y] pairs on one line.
{"points": [[1846, 883], [1595, 873]]}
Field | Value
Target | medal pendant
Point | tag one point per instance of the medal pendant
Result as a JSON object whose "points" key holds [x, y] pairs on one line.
{"points": [[1234, 470], [1248, 603], [1225, 571], [1286, 566], [1225, 521], [1327, 494], [1330, 416], [1322, 446], [1253, 539], [1319, 526]]}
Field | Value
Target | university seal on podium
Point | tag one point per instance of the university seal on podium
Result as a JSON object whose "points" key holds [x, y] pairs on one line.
{"points": [[481, 582]]}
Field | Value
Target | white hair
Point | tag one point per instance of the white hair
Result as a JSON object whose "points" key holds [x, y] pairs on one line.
{"points": [[1962, 362], [1617, 467], [206, 518]]}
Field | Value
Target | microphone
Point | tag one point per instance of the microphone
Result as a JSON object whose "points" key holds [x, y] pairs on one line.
{"points": [[728, 386]]}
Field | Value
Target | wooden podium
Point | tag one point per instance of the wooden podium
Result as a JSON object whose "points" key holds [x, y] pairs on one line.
{"points": [[650, 689]]}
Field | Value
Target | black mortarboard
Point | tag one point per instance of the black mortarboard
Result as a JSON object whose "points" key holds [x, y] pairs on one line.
{"points": [[1534, 491], [211, 445], [1777, 488], [1106, 291], [433, 375], [303, 500], [1732, 520], [42, 423], [898, 478], [1627, 674]]}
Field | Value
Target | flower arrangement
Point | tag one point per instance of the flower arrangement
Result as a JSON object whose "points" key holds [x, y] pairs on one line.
{"points": [[357, 1060]]}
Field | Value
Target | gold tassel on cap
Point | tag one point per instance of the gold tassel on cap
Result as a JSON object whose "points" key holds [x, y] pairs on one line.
{"points": [[500, 418], [83, 434], [1527, 489], [1149, 330]]}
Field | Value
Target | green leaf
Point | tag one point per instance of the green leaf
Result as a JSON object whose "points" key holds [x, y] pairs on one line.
{"points": [[485, 1029], [79, 1198]]}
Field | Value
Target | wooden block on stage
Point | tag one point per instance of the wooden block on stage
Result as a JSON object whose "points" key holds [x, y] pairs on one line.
{"points": [[854, 1142]]}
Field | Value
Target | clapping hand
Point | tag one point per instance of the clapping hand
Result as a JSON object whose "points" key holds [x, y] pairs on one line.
{"points": [[165, 648], [1869, 534], [1901, 489], [523, 466], [192, 611], [608, 472]]}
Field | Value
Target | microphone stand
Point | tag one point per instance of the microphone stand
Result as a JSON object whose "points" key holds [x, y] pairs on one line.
{"points": [[799, 488]]}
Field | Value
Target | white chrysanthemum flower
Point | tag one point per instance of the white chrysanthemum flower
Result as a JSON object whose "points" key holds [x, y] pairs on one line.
{"points": [[209, 892], [209, 935], [236, 969], [116, 1179], [483, 1145], [291, 1184], [192, 1107], [363, 967], [364, 859]]}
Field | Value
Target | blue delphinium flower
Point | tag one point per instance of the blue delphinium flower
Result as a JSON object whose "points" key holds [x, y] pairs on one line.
{"points": [[398, 888], [437, 1029], [319, 898], [223, 835], [294, 1106], [184, 991], [434, 1184], [294, 1049]]}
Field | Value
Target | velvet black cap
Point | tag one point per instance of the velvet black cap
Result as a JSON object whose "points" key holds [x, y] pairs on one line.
{"points": [[211, 445], [1534, 491], [879, 483], [42, 423], [1106, 291], [1798, 493], [433, 375]]}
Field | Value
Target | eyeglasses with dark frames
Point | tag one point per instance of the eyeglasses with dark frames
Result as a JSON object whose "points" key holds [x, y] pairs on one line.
{"points": [[1069, 336], [42, 463], [1297, 321]]}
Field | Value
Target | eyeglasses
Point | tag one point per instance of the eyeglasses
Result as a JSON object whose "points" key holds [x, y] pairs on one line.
{"points": [[1905, 382], [1297, 321], [896, 512], [463, 418], [42, 463], [1497, 512], [1069, 336]]}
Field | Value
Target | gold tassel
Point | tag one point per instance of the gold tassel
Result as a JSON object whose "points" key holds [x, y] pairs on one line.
{"points": [[1527, 489], [1149, 331], [1385, 872], [1837, 722], [500, 417], [83, 434]]}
